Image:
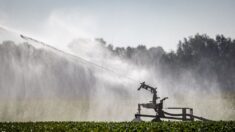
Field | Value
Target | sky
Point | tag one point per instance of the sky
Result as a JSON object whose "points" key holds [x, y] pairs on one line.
{"points": [[119, 22]]}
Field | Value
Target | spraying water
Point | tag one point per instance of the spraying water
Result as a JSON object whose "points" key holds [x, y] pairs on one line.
{"points": [[41, 83]]}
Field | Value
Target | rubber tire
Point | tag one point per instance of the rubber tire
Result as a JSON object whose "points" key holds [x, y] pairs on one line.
{"points": [[157, 119]]}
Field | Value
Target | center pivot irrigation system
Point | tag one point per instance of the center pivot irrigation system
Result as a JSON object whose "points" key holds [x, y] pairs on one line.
{"points": [[186, 115]]}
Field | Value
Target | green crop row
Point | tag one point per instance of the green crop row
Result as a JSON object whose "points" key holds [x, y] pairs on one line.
{"points": [[212, 126]]}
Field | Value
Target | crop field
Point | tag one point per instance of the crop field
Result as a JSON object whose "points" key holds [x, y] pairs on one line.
{"points": [[227, 126]]}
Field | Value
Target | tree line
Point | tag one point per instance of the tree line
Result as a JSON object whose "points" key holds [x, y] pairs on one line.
{"points": [[203, 56]]}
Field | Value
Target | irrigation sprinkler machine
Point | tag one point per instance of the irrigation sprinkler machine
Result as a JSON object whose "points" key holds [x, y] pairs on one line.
{"points": [[157, 106]]}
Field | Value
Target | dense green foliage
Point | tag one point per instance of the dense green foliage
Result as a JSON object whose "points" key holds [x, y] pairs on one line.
{"points": [[228, 126]]}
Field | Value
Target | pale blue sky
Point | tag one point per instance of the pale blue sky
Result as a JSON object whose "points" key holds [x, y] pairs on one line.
{"points": [[120, 22]]}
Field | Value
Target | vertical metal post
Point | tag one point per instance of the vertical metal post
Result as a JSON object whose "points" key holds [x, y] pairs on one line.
{"points": [[191, 113], [139, 108], [184, 114]]}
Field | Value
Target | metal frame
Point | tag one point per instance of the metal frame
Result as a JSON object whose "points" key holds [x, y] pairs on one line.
{"points": [[158, 108]]}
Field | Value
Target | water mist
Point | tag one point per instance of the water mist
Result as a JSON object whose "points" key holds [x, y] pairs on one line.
{"points": [[38, 83]]}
